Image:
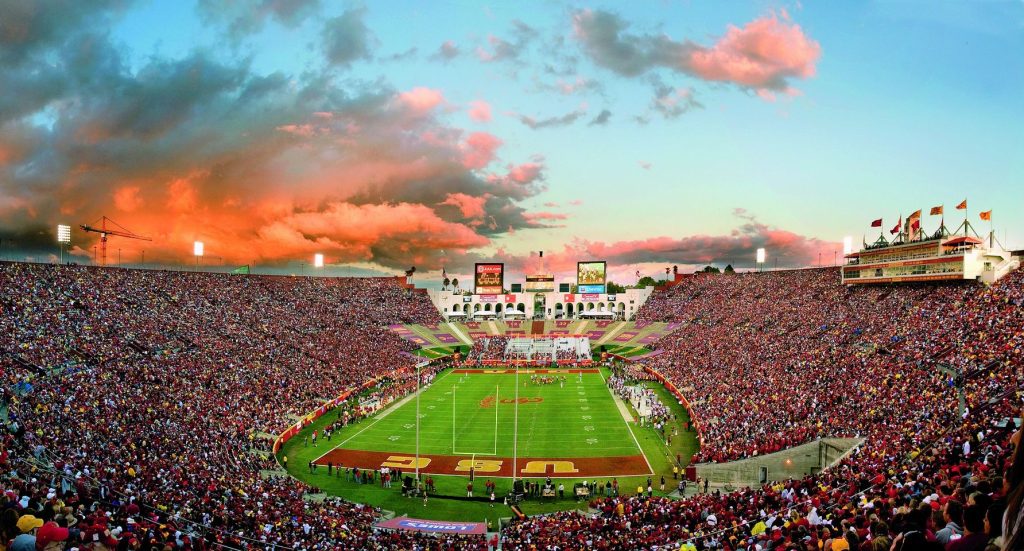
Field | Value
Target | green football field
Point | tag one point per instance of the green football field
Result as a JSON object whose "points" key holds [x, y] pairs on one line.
{"points": [[472, 414], [577, 428]]}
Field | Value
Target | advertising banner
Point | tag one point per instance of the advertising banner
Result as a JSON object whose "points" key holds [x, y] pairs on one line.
{"points": [[433, 526]]}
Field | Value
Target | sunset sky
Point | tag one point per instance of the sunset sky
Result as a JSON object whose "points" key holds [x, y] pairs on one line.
{"points": [[393, 134]]}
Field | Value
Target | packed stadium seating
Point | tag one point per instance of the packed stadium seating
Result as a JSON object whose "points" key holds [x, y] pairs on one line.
{"points": [[773, 360], [149, 390], [188, 371]]}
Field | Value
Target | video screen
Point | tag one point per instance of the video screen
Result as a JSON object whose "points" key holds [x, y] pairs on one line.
{"points": [[489, 279], [591, 276]]}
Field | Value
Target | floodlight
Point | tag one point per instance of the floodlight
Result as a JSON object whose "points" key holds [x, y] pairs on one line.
{"points": [[847, 245], [197, 248], [63, 234], [318, 260], [760, 256]]}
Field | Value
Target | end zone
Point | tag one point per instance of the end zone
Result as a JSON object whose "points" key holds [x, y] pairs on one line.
{"points": [[463, 371], [554, 467]]}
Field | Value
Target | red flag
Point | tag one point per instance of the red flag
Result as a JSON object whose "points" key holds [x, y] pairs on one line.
{"points": [[936, 210], [915, 225], [896, 229], [962, 205], [877, 223], [987, 215], [916, 214]]}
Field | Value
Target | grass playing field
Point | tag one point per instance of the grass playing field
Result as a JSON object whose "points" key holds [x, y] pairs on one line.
{"points": [[569, 431], [459, 416]]}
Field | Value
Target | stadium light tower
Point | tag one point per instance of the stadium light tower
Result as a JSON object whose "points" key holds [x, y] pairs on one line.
{"points": [[63, 238], [318, 260], [847, 245], [760, 257], [197, 251]]}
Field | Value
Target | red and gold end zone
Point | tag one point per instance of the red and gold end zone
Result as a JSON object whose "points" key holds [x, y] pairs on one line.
{"points": [[558, 467], [526, 371]]}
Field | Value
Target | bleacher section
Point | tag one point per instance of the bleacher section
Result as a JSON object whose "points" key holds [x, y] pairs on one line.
{"points": [[614, 334]]}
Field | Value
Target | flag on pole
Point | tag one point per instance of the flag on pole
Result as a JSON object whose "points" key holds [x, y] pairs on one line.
{"points": [[638, 274], [962, 205], [936, 211], [916, 214], [896, 229], [986, 215], [444, 274], [877, 223]]}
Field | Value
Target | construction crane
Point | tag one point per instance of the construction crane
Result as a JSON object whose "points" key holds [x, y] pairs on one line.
{"points": [[104, 231]]}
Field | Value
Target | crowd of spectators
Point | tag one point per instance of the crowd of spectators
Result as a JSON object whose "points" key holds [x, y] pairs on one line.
{"points": [[145, 402], [773, 360], [139, 406], [490, 348]]}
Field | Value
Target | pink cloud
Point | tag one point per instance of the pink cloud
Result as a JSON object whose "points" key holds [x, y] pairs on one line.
{"points": [[525, 173], [368, 232], [737, 247], [479, 150], [546, 216], [304, 130], [551, 205], [576, 202], [763, 54], [468, 205], [480, 111], [421, 100]]}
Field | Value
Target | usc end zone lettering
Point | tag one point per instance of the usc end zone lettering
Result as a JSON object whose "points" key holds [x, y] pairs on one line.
{"points": [[557, 467], [479, 466], [404, 462]]}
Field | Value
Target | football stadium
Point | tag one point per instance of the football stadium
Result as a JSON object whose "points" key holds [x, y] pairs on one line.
{"points": [[303, 275]]}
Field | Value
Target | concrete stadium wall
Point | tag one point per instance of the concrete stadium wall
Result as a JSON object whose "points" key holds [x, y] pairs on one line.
{"points": [[795, 462]]}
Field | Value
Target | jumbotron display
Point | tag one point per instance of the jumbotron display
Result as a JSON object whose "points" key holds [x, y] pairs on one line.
{"points": [[489, 278], [591, 276]]}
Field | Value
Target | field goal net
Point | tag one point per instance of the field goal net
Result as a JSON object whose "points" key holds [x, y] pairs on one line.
{"points": [[474, 429]]}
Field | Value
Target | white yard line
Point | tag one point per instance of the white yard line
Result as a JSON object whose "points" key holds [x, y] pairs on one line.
{"points": [[381, 415]]}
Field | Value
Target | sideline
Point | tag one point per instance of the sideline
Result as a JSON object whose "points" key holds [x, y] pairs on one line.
{"points": [[384, 413], [629, 422]]}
